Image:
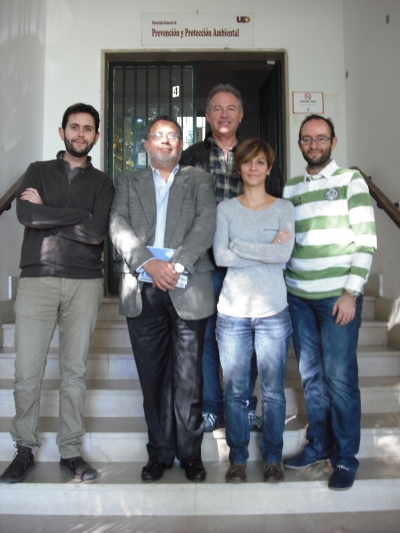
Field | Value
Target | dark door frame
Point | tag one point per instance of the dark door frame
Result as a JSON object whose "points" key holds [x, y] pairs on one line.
{"points": [[195, 56]]}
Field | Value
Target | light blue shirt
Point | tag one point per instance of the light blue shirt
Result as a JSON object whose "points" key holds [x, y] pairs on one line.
{"points": [[162, 188]]}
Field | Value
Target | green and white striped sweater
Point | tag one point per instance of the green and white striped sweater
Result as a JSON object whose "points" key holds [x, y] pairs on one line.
{"points": [[335, 233]]}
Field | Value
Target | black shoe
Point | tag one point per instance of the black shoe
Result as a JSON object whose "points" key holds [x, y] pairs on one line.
{"points": [[22, 464], [154, 470], [78, 468], [194, 470]]}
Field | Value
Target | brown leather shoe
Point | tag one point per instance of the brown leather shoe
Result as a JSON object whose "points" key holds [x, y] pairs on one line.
{"points": [[273, 473], [236, 473]]}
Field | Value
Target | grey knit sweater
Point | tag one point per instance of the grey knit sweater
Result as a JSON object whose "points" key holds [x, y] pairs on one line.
{"points": [[254, 286]]}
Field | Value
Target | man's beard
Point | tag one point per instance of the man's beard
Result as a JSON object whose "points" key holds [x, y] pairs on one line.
{"points": [[164, 160], [70, 149], [323, 159]]}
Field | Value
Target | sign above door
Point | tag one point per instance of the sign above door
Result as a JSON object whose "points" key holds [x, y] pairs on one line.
{"points": [[198, 29]]}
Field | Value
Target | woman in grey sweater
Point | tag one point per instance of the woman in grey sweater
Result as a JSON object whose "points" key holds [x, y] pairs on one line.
{"points": [[254, 238]]}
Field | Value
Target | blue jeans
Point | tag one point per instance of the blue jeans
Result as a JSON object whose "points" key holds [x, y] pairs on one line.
{"points": [[212, 391], [238, 338], [327, 358]]}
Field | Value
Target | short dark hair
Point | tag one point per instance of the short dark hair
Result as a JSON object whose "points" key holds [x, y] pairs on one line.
{"points": [[224, 88], [166, 118], [318, 117], [81, 108], [250, 148]]}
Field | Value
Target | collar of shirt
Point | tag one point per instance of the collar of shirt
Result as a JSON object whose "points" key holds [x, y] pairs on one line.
{"points": [[160, 181], [227, 183], [60, 157], [326, 172]]}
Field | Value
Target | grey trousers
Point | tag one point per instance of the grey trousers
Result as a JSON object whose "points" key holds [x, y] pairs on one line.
{"points": [[41, 303]]}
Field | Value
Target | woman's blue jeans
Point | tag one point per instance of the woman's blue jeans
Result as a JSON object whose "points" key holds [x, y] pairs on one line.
{"points": [[327, 358], [212, 391], [238, 338]]}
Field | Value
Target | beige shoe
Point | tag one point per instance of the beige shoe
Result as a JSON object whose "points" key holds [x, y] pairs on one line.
{"points": [[273, 473], [236, 473]]}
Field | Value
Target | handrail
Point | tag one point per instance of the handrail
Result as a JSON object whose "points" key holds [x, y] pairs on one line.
{"points": [[7, 199], [381, 199]]}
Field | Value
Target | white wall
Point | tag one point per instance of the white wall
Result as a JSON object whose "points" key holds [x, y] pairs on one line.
{"points": [[22, 59], [373, 114]]}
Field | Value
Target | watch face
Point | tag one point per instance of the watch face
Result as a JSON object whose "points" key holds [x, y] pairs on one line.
{"points": [[179, 268]]}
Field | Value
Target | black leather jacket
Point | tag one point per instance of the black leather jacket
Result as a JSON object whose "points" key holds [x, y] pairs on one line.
{"points": [[198, 155]]}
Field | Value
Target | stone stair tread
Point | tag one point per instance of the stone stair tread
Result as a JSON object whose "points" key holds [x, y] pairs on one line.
{"points": [[362, 351], [386, 382], [365, 522], [129, 473], [108, 323], [367, 351], [48, 424], [91, 384], [118, 490], [95, 351], [369, 421], [373, 322]]}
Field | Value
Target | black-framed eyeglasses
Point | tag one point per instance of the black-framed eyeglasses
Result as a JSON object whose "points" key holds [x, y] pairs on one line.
{"points": [[320, 139], [158, 135]]}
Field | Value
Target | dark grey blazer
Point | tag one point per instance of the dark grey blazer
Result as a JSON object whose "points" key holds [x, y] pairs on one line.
{"points": [[190, 227]]}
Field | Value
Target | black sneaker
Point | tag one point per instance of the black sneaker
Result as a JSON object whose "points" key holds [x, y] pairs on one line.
{"points": [[78, 468], [22, 464]]}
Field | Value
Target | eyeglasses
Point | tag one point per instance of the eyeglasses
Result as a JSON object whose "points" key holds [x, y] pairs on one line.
{"points": [[158, 135], [321, 139]]}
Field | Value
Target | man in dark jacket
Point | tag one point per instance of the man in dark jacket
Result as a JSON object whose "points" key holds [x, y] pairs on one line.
{"points": [[64, 205], [224, 113]]}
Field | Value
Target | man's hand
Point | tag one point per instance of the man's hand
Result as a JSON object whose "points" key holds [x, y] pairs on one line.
{"points": [[344, 309], [162, 273], [31, 195]]}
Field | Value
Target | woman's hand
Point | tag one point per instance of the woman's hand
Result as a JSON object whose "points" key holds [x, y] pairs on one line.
{"points": [[282, 236]]}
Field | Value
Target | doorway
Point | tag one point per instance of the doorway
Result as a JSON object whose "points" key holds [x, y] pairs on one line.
{"points": [[145, 85]]}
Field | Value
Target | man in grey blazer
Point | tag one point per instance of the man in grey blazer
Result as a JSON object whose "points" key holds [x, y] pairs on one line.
{"points": [[167, 206]]}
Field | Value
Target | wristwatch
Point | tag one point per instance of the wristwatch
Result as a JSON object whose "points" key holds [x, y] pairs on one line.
{"points": [[178, 268], [354, 294]]}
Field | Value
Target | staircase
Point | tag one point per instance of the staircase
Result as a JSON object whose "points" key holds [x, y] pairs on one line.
{"points": [[115, 442]]}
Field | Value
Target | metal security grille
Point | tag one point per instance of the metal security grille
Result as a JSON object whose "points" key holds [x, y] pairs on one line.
{"points": [[138, 92]]}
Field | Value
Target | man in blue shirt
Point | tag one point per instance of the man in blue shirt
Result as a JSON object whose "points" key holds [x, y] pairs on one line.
{"points": [[173, 210]]}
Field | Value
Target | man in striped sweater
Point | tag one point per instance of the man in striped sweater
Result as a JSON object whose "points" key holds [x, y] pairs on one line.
{"points": [[335, 242]]}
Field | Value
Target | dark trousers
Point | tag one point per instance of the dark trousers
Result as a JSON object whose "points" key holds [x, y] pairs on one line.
{"points": [[167, 351]]}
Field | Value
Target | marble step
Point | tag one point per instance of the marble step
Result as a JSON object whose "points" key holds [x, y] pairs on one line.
{"points": [[118, 491], [112, 333], [101, 363], [315, 522], [123, 398], [125, 439], [118, 363]]}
